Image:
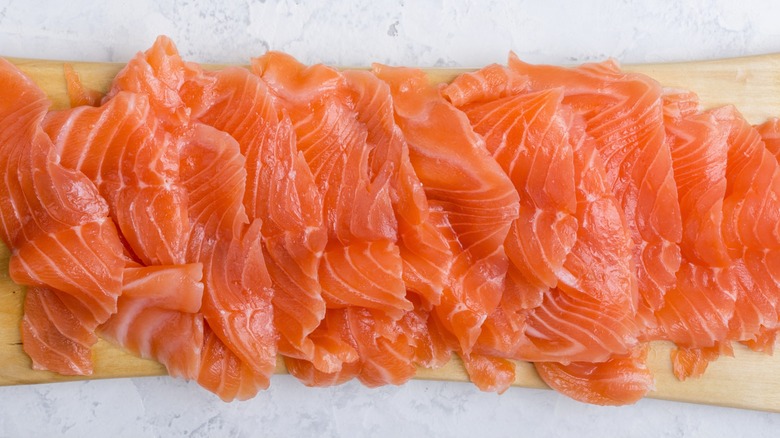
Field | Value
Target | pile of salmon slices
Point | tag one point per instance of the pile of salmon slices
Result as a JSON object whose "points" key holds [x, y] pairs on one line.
{"points": [[363, 224]]}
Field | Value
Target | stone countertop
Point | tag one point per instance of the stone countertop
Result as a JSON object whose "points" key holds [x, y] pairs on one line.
{"points": [[354, 33]]}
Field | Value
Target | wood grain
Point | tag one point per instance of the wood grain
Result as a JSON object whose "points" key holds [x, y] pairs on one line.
{"points": [[748, 380]]}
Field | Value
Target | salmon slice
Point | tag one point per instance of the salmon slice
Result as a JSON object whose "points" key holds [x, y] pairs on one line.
{"points": [[237, 287], [432, 348], [490, 373], [727, 286], [332, 332], [485, 85], [58, 332], [614, 371], [225, 374], [158, 316], [619, 381], [624, 114], [281, 192], [590, 316], [528, 136], [77, 93], [170, 83], [693, 362], [570, 238], [148, 202], [476, 199], [144, 195]]}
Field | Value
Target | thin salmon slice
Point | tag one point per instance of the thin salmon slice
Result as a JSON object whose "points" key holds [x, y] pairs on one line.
{"points": [[158, 316], [591, 320], [624, 114], [751, 230], [727, 285], [53, 218], [618, 381], [485, 85], [78, 94], [384, 350], [225, 374], [490, 373], [361, 273], [693, 362], [476, 200], [432, 348], [58, 332], [169, 82], [149, 203], [529, 139], [333, 332]]}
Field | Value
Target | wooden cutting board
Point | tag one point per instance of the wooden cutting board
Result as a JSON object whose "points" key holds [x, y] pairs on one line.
{"points": [[748, 380]]}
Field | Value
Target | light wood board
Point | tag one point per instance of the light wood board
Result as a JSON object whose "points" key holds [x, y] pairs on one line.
{"points": [[748, 380]]}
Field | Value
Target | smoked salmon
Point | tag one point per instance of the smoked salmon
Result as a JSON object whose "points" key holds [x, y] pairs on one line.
{"points": [[363, 224]]}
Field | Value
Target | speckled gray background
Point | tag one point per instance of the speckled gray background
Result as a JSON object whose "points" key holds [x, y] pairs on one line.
{"points": [[423, 33]]}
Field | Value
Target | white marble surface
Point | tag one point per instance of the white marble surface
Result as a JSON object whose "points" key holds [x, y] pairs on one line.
{"points": [[442, 33]]}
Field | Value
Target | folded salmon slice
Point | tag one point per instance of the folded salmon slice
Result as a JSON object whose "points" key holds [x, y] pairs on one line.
{"points": [[618, 381], [56, 224], [475, 200], [169, 82], [158, 316], [224, 373], [78, 94]]}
